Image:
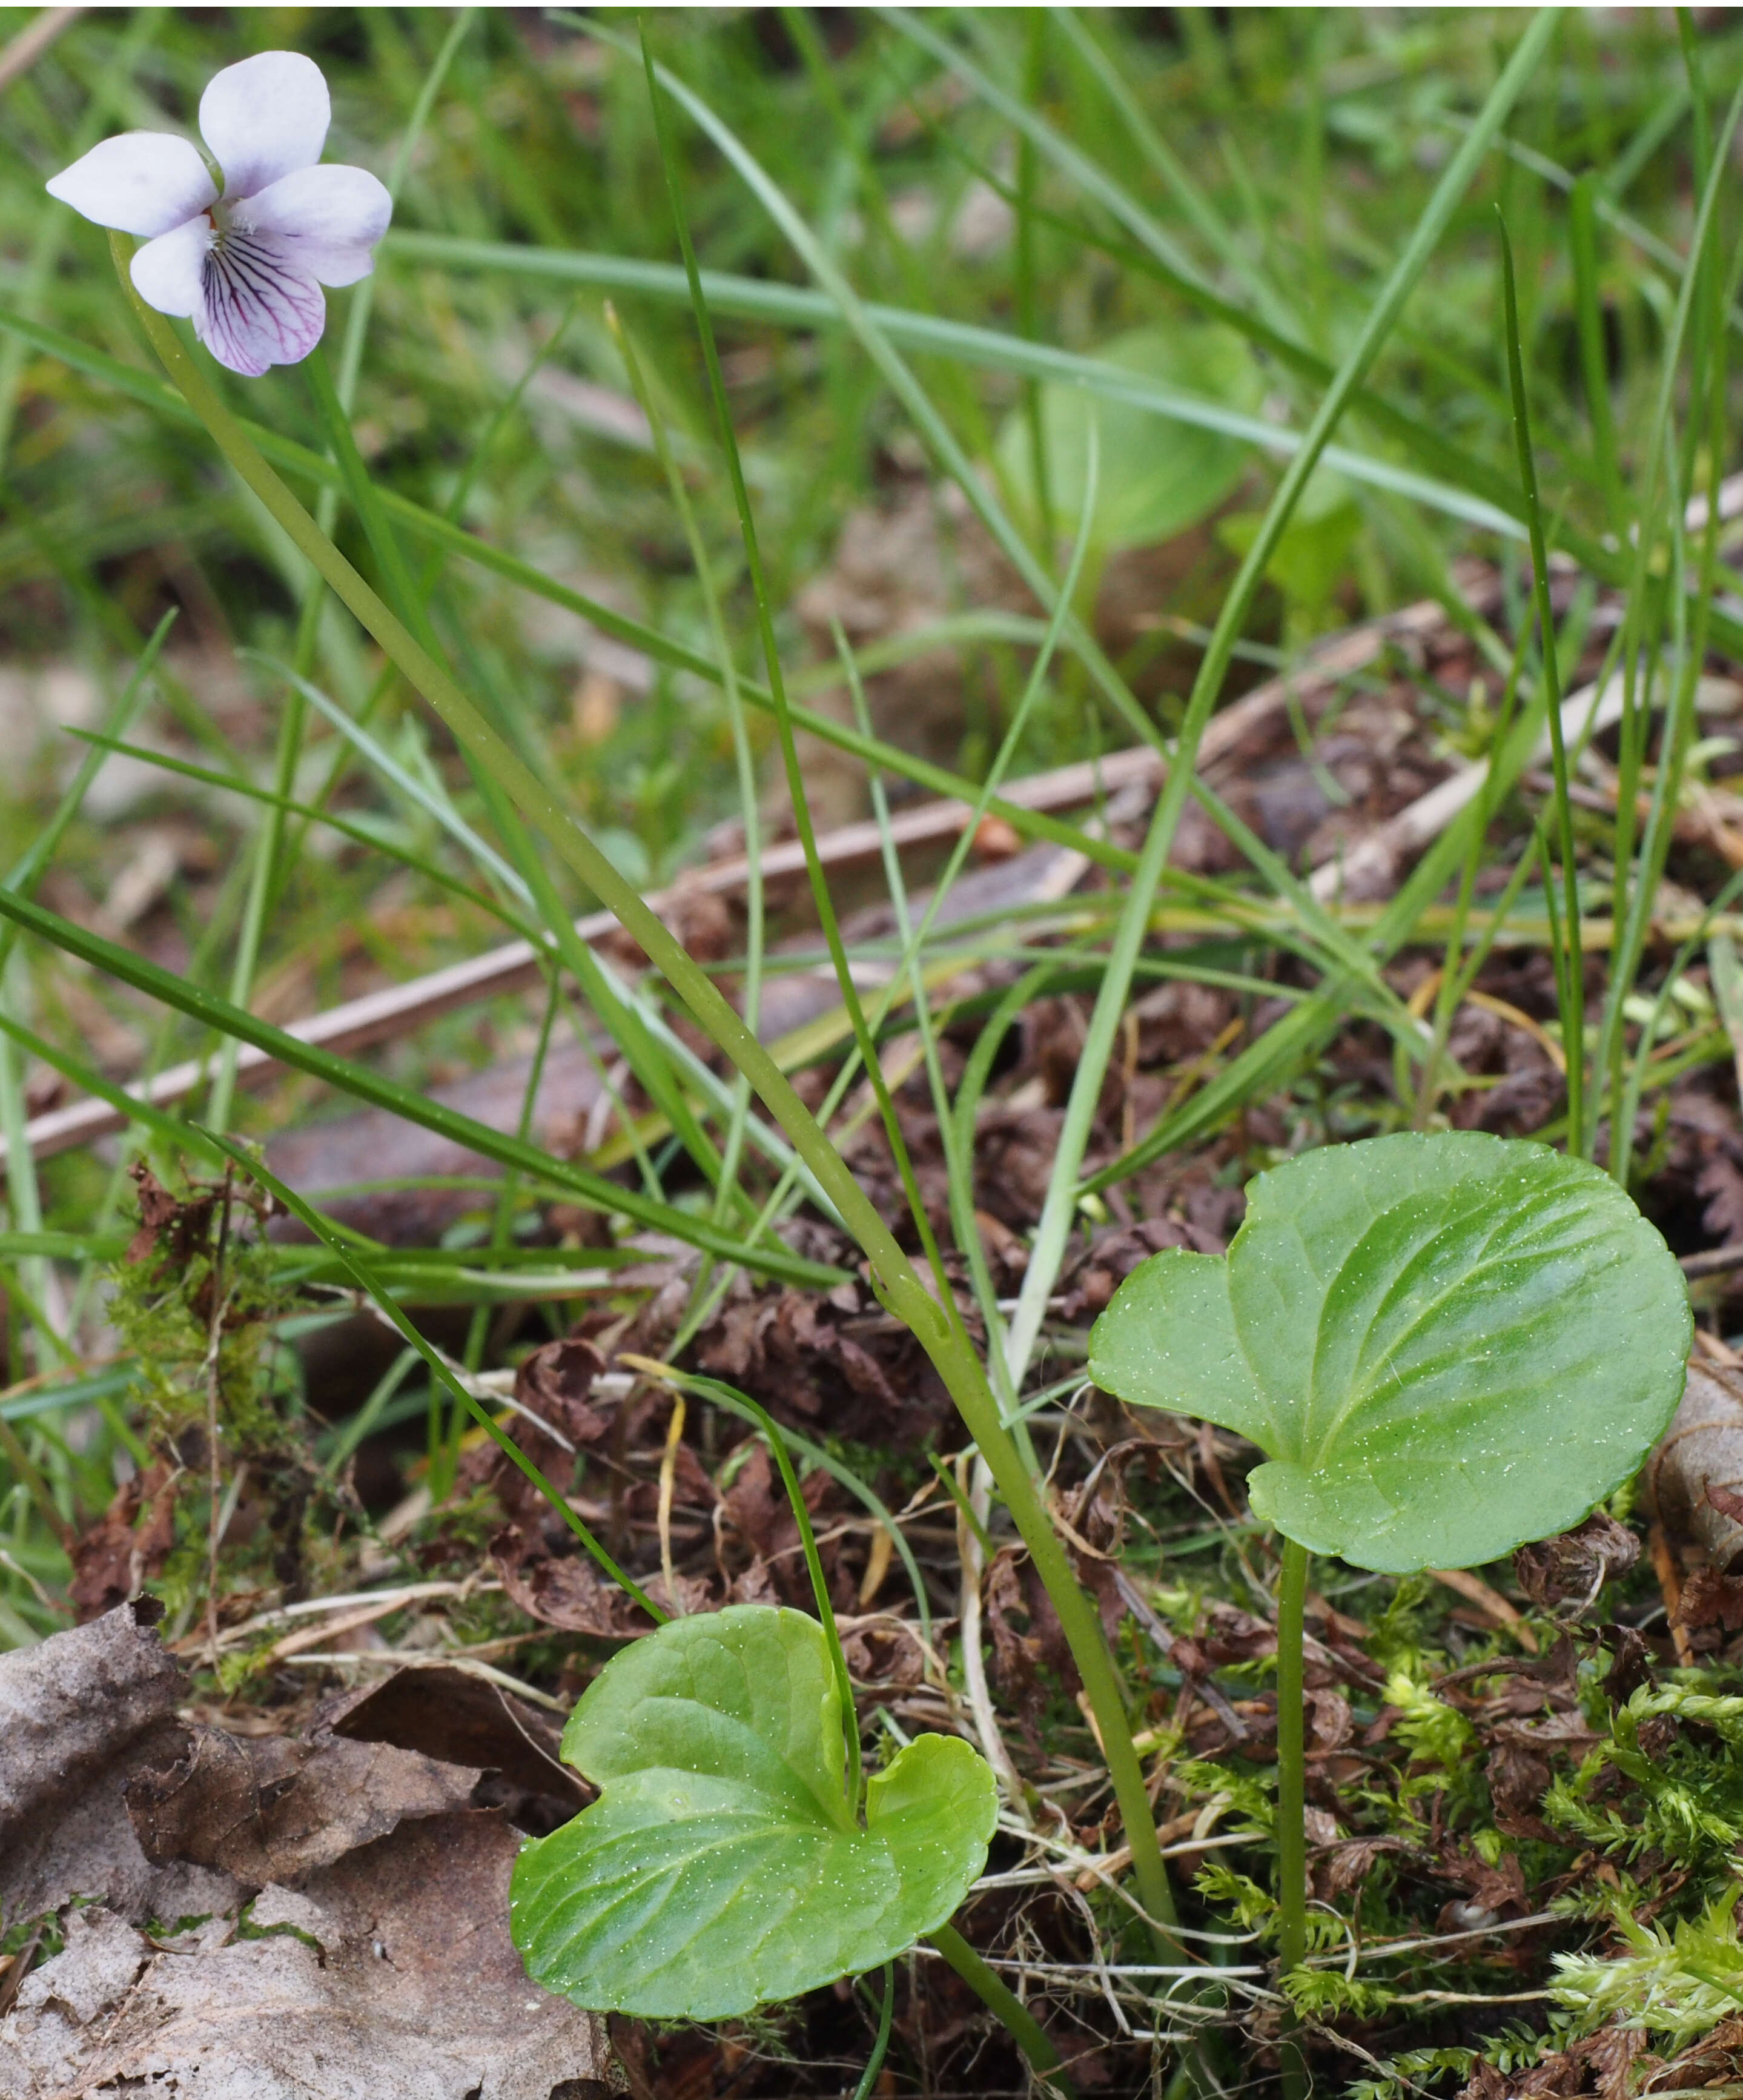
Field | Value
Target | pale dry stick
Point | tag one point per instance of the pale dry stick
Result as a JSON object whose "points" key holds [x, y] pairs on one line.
{"points": [[394, 1012], [1706, 816], [32, 41], [1070, 1971], [668, 1479], [1376, 1949], [1712, 1261], [497, 1387], [1421, 823], [1490, 1602], [977, 1493], [1196, 1824], [1138, 1604], [471, 1666], [365, 1615], [395, 1599]]}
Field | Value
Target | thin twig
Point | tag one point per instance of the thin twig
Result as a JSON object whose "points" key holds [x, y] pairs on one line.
{"points": [[32, 41], [396, 1010], [668, 1479]]}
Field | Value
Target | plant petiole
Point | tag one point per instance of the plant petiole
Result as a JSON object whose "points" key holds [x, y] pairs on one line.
{"points": [[880, 2047], [1006, 2007], [1292, 1789]]}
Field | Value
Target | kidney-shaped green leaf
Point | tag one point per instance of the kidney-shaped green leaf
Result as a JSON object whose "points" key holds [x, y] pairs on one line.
{"points": [[1445, 1345], [1156, 476], [720, 1869]]}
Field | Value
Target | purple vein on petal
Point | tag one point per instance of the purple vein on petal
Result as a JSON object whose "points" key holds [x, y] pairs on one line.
{"points": [[260, 310]]}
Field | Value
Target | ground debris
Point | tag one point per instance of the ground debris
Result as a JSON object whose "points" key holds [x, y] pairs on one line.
{"points": [[270, 1809], [453, 1716], [115, 1558], [386, 1971], [1695, 1477], [390, 1975], [1573, 1567], [1599, 2064], [79, 1714], [1716, 2060], [564, 1587]]}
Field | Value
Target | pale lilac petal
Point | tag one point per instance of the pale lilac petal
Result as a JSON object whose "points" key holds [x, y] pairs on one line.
{"points": [[143, 183], [337, 264], [168, 273], [257, 309], [265, 118], [327, 218]]}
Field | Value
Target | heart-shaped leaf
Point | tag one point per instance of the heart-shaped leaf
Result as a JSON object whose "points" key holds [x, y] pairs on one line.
{"points": [[720, 1869], [1445, 1345], [1157, 476]]}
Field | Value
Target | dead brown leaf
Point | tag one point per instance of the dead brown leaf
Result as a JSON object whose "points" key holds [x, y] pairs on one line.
{"points": [[567, 1590], [1519, 1777], [1340, 1868], [1599, 2064], [1697, 1467], [182, 1225], [1720, 1183], [459, 1719], [1499, 1889], [118, 1553], [1112, 1255], [390, 1975], [554, 1383], [1711, 1600], [800, 1356], [1573, 1566], [1716, 2059], [884, 1651], [270, 1809]]}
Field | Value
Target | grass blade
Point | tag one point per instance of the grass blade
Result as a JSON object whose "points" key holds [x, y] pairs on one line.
{"points": [[212, 1012], [1061, 1205], [1570, 975]]}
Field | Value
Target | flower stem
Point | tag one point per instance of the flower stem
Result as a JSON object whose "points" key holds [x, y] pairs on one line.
{"points": [[1292, 1789], [944, 1340], [1005, 2006]]}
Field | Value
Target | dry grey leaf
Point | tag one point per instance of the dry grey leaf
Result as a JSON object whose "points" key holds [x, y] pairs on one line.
{"points": [[79, 1712], [411, 1991], [1695, 1477], [270, 1809], [69, 1704]]}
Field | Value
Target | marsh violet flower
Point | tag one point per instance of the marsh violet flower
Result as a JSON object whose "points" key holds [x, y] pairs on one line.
{"points": [[247, 265]]}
